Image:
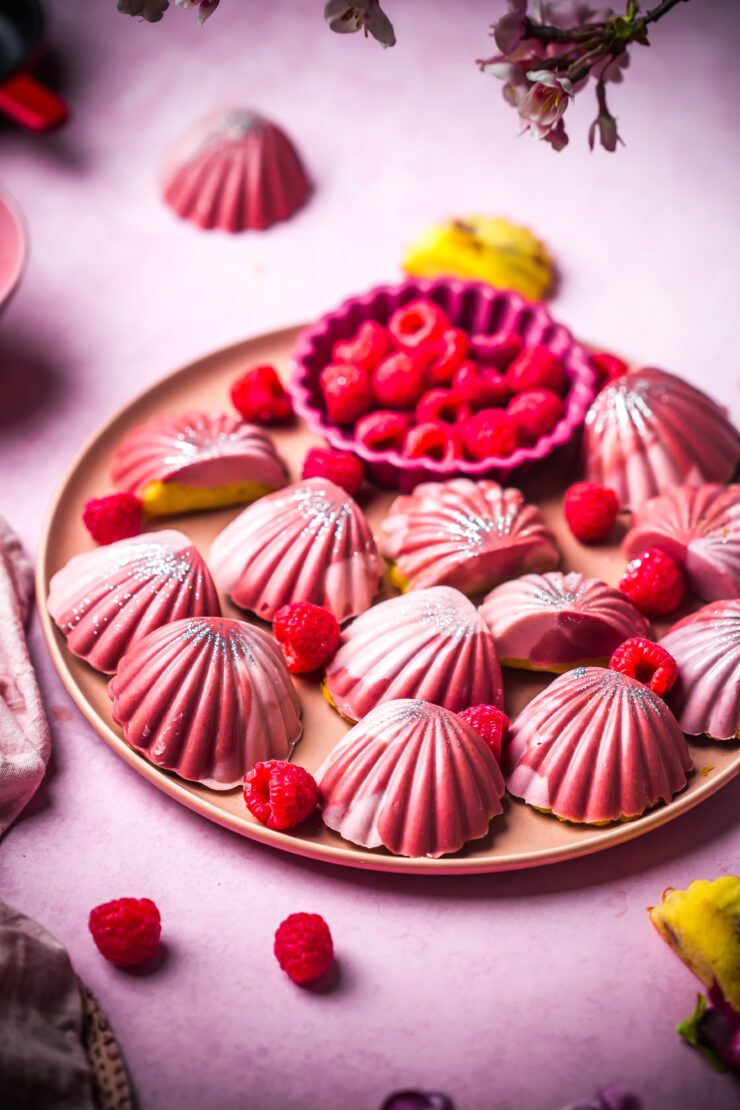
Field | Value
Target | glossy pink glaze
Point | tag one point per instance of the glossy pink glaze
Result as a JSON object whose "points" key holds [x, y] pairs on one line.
{"points": [[706, 647], [596, 746], [700, 527], [107, 599], [207, 698], [557, 621], [413, 778], [427, 644]]}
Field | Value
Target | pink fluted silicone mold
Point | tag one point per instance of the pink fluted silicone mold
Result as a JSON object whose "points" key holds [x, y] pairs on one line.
{"points": [[706, 647], [480, 310]]}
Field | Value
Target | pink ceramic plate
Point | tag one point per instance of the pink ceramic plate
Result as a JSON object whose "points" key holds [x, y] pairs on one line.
{"points": [[13, 249], [519, 838]]}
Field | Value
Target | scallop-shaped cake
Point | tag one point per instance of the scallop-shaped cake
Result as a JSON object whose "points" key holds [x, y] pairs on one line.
{"points": [[411, 777], [649, 430], [596, 746], [554, 621], [308, 542], [235, 171], [196, 460], [207, 698], [706, 647], [427, 644], [466, 534], [700, 527], [107, 599]]}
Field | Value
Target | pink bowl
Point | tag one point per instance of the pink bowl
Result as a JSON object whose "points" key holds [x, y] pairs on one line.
{"points": [[480, 310], [13, 249]]}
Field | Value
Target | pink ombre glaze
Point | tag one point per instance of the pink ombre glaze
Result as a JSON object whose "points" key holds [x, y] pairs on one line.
{"points": [[428, 644], [649, 430], [699, 526], [207, 698], [706, 647], [465, 534], [557, 621], [197, 449], [413, 778], [308, 542], [596, 746], [107, 599]]}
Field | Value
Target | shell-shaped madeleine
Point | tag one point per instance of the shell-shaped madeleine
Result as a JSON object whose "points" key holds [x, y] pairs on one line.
{"points": [[308, 542], [413, 778], [107, 599], [596, 746], [465, 534], [235, 171], [207, 698], [427, 644], [554, 621], [706, 647], [700, 527], [649, 430]]}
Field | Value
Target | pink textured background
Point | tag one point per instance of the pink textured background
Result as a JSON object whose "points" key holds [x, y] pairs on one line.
{"points": [[512, 991]]}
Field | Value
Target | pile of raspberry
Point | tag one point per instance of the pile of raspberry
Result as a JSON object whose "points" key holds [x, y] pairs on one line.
{"points": [[427, 389]]}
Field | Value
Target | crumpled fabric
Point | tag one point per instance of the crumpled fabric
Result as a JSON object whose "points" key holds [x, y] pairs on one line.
{"points": [[24, 729]]}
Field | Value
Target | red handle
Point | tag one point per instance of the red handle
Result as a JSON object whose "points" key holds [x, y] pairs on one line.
{"points": [[31, 104]]}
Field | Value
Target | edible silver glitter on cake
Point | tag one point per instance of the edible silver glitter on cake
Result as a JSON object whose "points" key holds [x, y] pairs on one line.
{"points": [[629, 402], [448, 617], [200, 440], [228, 642], [473, 530], [603, 684], [322, 512]]}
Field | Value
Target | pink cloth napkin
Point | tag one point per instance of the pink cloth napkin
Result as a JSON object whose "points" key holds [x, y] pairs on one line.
{"points": [[24, 730]]}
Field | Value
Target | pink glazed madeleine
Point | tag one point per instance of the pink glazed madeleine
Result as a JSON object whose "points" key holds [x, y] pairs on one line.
{"points": [[196, 460], [308, 542], [649, 430], [706, 647], [107, 599], [554, 621], [465, 534], [699, 527], [596, 746], [428, 644], [207, 698], [413, 778]]}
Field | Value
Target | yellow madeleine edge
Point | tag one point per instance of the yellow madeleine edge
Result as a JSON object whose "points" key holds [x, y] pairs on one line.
{"points": [[173, 498]]}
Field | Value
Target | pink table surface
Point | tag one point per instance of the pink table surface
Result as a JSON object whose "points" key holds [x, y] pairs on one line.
{"points": [[517, 990]]}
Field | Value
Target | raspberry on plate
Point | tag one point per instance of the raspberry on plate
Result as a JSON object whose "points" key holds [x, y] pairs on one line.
{"points": [[126, 931], [116, 517], [536, 411], [339, 467], [646, 661], [303, 947], [449, 351], [654, 583], [441, 405], [480, 387], [537, 368], [260, 397], [432, 440], [280, 794], [490, 434], [608, 366], [398, 381], [347, 392], [490, 723], [307, 635], [415, 324], [383, 430], [366, 348], [590, 511], [498, 351]]}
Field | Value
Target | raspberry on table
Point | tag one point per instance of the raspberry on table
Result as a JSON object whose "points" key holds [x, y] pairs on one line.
{"points": [[260, 397], [339, 467], [126, 931], [449, 351], [646, 661], [432, 440], [654, 583], [482, 388], [590, 511], [498, 351], [383, 430], [366, 348], [609, 367], [537, 368], [536, 411], [441, 405], [416, 323], [307, 635], [398, 381], [280, 794], [116, 517], [490, 723], [489, 434], [347, 391], [303, 947]]}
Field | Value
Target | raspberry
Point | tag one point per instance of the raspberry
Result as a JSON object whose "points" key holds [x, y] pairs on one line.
{"points": [[536, 411], [280, 794], [654, 583], [112, 518], [481, 388], [366, 348], [126, 931], [259, 396], [498, 351], [449, 351], [307, 635], [339, 467], [431, 441], [590, 510], [383, 431], [398, 381], [537, 368], [490, 434], [441, 405], [649, 663], [608, 367], [416, 323], [303, 947], [347, 392], [490, 723]]}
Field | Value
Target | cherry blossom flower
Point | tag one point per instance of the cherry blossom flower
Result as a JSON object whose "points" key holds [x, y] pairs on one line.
{"points": [[543, 106], [346, 17], [150, 10], [511, 29], [205, 8]]}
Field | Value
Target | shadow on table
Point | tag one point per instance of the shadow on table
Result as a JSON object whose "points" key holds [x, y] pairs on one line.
{"points": [[29, 382]]}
